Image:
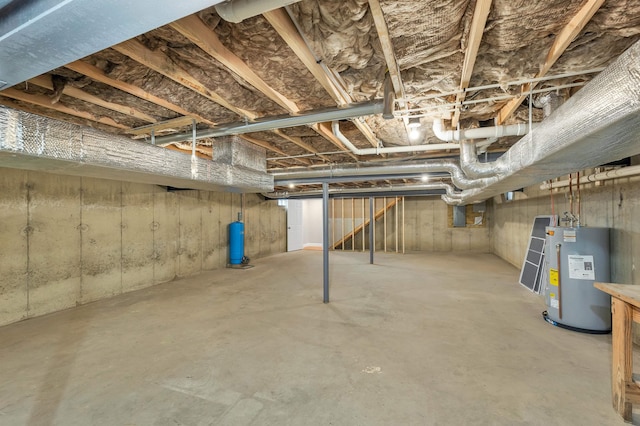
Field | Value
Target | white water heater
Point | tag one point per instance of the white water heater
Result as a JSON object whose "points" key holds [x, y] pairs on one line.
{"points": [[576, 258]]}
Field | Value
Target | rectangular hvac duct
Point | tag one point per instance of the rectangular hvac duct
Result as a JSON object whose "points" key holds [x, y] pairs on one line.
{"points": [[31, 142], [37, 36]]}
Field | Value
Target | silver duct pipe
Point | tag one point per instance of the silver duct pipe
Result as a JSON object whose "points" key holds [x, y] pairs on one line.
{"points": [[549, 102], [598, 125], [391, 149], [479, 133], [31, 142], [468, 155], [280, 122], [473, 168], [458, 177], [238, 10], [58, 32], [450, 191]]}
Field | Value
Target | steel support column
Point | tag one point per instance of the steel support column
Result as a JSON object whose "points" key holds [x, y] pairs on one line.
{"points": [[325, 241]]}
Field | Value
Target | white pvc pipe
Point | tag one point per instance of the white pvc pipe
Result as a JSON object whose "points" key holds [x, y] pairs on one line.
{"points": [[596, 177], [390, 149], [479, 133]]}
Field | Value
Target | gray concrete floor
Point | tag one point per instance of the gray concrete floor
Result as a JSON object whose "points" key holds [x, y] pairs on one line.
{"points": [[419, 339]]}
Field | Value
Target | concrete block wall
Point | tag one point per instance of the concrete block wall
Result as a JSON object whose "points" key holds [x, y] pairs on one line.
{"points": [[426, 227], [66, 241]]}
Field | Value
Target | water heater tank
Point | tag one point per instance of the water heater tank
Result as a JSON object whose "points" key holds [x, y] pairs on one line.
{"points": [[575, 259], [236, 243]]}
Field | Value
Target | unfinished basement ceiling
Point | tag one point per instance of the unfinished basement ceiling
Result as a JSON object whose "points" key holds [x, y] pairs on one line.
{"points": [[316, 54]]}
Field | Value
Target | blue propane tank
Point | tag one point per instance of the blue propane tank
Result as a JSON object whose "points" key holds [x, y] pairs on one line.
{"points": [[236, 242]]}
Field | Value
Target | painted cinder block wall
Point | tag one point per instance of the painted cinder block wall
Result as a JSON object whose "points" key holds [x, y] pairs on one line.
{"points": [[66, 241]]}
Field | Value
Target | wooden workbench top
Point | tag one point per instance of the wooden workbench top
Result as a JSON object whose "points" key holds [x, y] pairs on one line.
{"points": [[625, 292]]}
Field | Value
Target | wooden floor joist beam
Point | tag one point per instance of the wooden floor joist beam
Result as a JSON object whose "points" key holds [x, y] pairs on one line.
{"points": [[284, 26], [478, 22], [98, 75], [162, 64], [270, 147], [45, 102], [201, 35], [193, 28], [301, 143], [560, 44], [387, 47], [45, 81]]}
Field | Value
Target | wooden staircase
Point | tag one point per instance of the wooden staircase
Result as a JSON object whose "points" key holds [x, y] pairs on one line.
{"points": [[351, 235]]}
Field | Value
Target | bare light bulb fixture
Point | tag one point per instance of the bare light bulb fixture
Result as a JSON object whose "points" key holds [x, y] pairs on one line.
{"points": [[291, 186], [413, 126], [414, 134], [425, 178]]}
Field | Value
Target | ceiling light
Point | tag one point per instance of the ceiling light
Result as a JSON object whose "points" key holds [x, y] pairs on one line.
{"points": [[414, 135], [413, 123], [291, 186], [425, 178]]}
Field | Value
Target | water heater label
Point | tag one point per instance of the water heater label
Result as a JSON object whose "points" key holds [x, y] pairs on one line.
{"points": [[581, 267], [554, 303], [553, 277], [569, 236]]}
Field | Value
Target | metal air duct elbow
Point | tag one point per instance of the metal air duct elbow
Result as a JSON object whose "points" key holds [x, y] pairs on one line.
{"points": [[472, 167]]}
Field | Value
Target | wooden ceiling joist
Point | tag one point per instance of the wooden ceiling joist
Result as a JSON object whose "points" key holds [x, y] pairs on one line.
{"points": [[162, 64], [281, 22], [283, 25], [164, 125], [98, 75], [479, 21], [387, 47], [193, 28], [45, 102], [44, 81], [301, 143], [270, 147], [560, 44]]}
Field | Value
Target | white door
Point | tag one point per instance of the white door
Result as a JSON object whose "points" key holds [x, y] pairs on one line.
{"points": [[294, 225]]}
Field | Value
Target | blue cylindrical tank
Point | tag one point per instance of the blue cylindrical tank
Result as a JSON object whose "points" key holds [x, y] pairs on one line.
{"points": [[236, 242]]}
